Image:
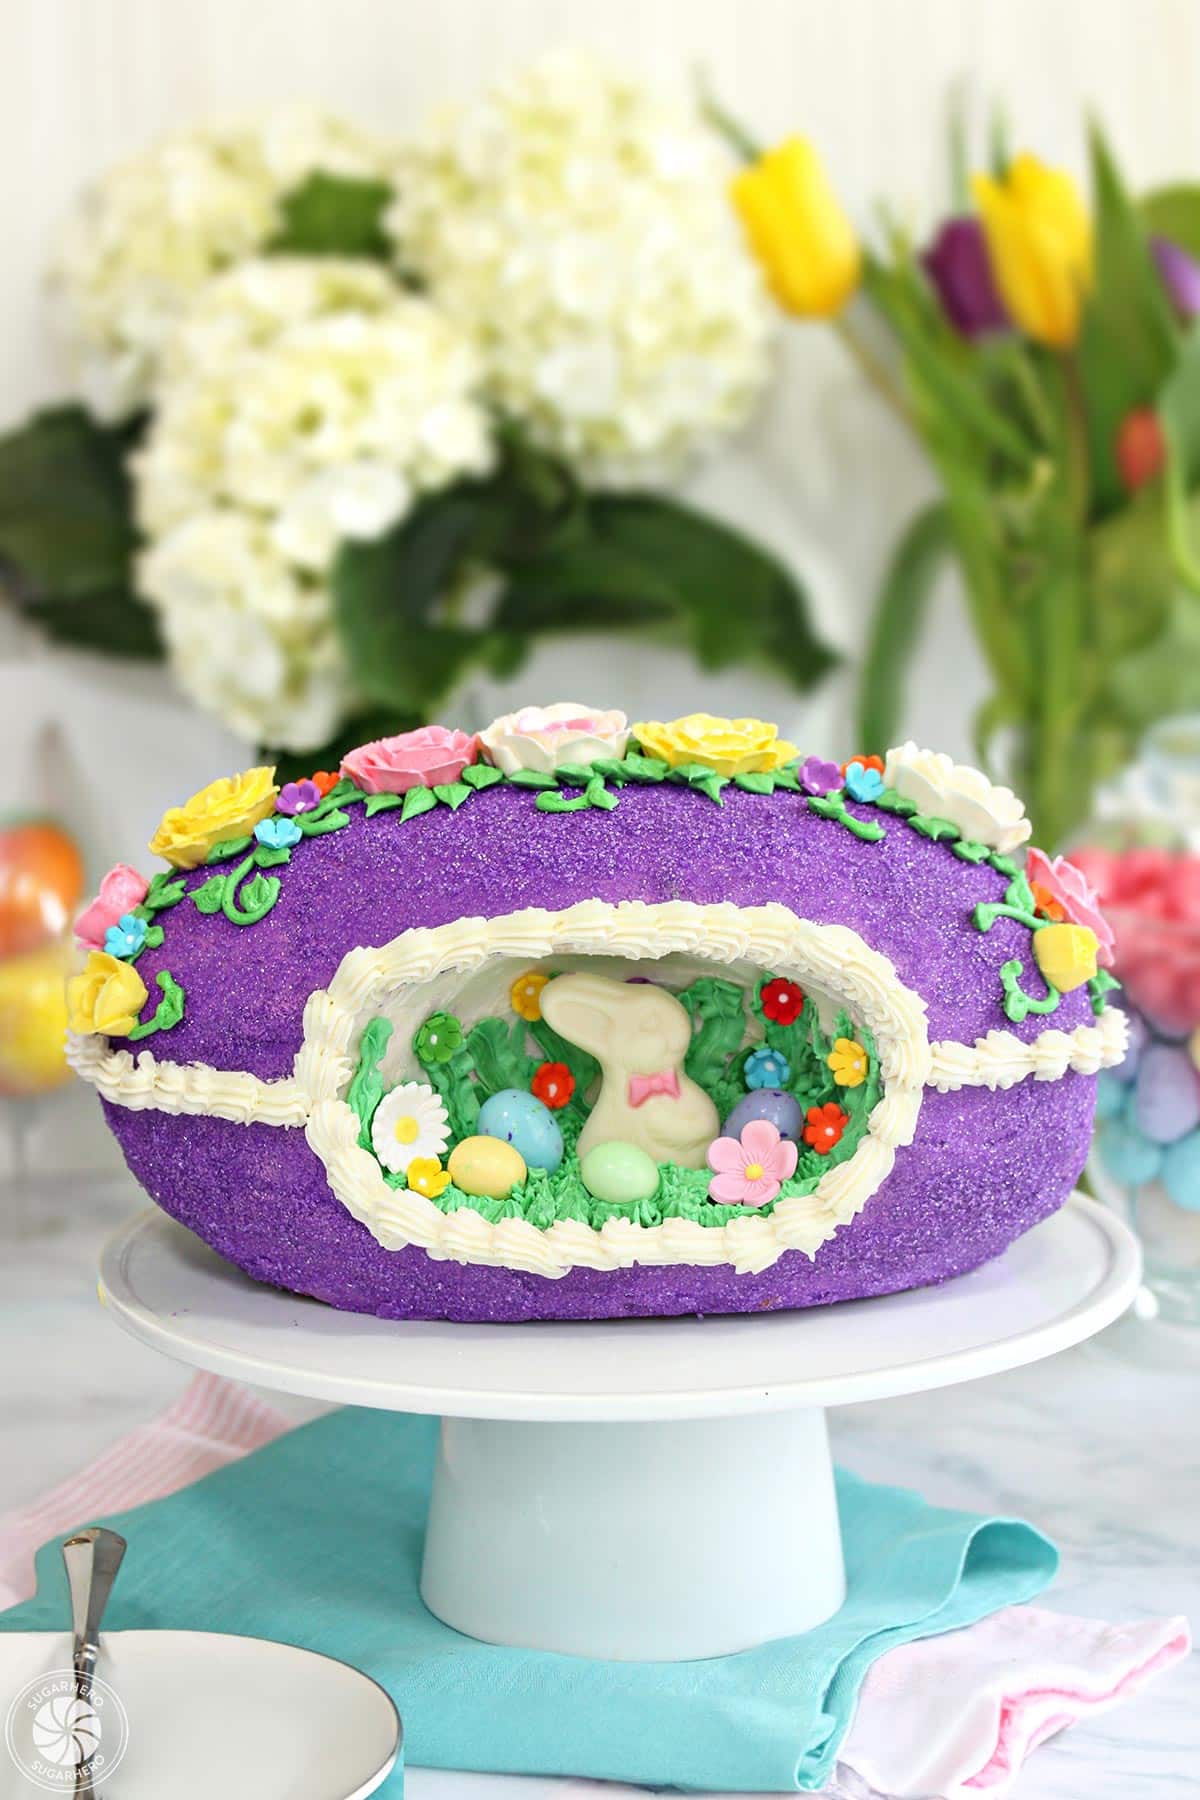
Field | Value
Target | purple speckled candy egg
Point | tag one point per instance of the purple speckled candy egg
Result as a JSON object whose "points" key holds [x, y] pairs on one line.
{"points": [[982, 1165], [1166, 1097], [781, 1110]]}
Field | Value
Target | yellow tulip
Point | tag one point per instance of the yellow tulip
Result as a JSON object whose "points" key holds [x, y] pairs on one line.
{"points": [[1066, 955], [797, 230], [106, 998], [1039, 239]]}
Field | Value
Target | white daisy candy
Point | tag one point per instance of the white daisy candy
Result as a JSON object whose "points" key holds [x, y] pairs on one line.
{"points": [[546, 737], [409, 1122], [982, 811]]}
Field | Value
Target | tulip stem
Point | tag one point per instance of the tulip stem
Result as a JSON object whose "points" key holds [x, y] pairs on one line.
{"points": [[724, 123], [875, 371]]}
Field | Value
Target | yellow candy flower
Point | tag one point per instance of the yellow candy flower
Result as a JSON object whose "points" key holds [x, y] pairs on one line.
{"points": [[1066, 955], [798, 231], [1039, 239], [228, 808], [106, 998], [848, 1061], [729, 746], [526, 995], [427, 1176]]}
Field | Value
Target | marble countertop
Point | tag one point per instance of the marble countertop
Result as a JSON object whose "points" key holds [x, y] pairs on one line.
{"points": [[1098, 1447]]}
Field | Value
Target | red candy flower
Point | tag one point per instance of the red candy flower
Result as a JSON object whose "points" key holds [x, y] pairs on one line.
{"points": [[866, 762], [323, 781], [781, 1001], [825, 1126], [553, 1085]]}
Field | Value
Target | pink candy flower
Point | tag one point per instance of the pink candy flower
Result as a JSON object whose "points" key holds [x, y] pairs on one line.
{"points": [[750, 1169], [1065, 886], [428, 757], [121, 890]]}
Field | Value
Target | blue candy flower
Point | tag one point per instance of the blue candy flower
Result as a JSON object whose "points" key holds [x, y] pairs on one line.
{"points": [[767, 1069], [278, 833], [863, 783], [126, 937]]}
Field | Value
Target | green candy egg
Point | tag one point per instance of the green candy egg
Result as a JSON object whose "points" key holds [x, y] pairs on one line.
{"points": [[619, 1173]]}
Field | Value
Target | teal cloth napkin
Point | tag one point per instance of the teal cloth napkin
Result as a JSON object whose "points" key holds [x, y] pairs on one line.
{"points": [[316, 1540]]}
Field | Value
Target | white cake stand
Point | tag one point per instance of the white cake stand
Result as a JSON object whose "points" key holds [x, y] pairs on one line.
{"points": [[655, 1489]]}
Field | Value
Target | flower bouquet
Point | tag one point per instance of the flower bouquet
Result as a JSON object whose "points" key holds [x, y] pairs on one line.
{"points": [[355, 416], [1042, 352]]}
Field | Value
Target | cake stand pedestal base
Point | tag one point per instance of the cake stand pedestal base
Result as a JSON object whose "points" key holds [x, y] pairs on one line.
{"points": [[606, 1540], [650, 1489]]}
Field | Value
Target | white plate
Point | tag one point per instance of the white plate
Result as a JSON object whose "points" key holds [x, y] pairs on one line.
{"points": [[206, 1717], [1060, 1283]]}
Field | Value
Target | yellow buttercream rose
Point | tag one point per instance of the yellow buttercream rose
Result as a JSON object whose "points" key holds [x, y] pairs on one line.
{"points": [[225, 809], [729, 746], [1066, 955], [106, 998]]}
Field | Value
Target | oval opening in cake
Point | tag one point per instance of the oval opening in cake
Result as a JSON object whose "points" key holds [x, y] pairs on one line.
{"points": [[567, 1075]]}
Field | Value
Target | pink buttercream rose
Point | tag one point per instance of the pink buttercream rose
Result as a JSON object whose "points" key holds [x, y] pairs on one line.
{"points": [[428, 757], [121, 890], [1063, 884]]}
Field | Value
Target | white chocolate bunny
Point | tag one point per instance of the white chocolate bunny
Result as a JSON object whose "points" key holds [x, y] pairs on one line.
{"points": [[639, 1034]]}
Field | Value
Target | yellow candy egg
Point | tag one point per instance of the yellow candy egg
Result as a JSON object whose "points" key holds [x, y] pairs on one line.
{"points": [[486, 1167]]}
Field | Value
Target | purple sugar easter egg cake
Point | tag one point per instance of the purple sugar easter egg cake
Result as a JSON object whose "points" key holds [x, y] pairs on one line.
{"points": [[572, 1019]]}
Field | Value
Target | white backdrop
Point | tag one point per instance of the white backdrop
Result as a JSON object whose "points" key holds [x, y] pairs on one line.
{"points": [[824, 474]]}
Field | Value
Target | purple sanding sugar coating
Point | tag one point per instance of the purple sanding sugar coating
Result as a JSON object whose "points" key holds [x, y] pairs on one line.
{"points": [[983, 1166]]}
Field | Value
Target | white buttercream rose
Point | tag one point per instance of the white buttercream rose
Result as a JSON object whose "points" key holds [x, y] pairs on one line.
{"points": [[945, 789], [547, 737]]}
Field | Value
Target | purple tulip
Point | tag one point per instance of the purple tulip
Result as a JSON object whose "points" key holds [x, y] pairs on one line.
{"points": [[1180, 276], [959, 267]]}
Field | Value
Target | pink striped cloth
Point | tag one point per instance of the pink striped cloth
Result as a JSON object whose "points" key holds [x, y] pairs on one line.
{"points": [[955, 1715]]}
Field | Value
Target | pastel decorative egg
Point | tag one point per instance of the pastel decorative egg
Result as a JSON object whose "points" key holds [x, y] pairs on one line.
{"points": [[1166, 1097], [1135, 1045], [1181, 1172], [525, 1122], [1111, 1095], [1126, 1154], [486, 1167], [781, 1110], [619, 1173]]}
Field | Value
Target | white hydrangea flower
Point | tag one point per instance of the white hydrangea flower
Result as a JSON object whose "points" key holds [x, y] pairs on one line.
{"points": [[249, 638], [153, 229], [580, 229], [302, 402], [945, 789]]}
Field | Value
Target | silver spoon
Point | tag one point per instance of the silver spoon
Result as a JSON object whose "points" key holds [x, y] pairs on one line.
{"points": [[92, 1559]]}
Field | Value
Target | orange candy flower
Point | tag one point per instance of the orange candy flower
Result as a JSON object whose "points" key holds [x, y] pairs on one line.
{"points": [[825, 1126], [553, 1085], [864, 762]]}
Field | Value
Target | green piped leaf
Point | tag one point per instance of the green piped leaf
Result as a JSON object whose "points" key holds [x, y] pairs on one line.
{"points": [[417, 800], [481, 775], [613, 769], [574, 774], [169, 1010], [246, 902], [1003, 865], [453, 793], [317, 823], [208, 897], [711, 785], [270, 856], [934, 828], [890, 801], [645, 768], [969, 851], [531, 778], [599, 796], [164, 890], [788, 778], [377, 803], [1099, 988], [230, 848], [754, 782], [559, 803]]}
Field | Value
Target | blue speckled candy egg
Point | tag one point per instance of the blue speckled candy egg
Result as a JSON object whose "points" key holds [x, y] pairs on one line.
{"points": [[1128, 1157], [1166, 1096], [1181, 1172], [781, 1110], [521, 1120]]}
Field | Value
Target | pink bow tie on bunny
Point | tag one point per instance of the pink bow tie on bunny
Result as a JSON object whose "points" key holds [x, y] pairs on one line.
{"points": [[644, 1087]]}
